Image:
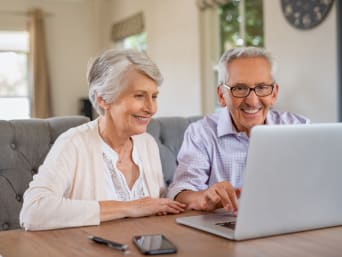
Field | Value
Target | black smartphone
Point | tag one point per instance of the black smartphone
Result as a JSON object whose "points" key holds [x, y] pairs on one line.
{"points": [[154, 244]]}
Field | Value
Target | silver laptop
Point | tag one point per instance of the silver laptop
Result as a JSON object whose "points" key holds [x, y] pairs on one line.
{"points": [[292, 182]]}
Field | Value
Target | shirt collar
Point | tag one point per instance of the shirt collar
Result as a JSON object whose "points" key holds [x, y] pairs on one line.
{"points": [[270, 120], [224, 124]]}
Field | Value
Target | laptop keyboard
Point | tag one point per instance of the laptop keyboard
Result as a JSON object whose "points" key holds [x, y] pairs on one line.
{"points": [[228, 224]]}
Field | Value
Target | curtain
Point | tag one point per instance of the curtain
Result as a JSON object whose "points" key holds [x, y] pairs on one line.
{"points": [[39, 75]]}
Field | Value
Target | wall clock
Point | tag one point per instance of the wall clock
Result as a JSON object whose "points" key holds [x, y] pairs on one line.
{"points": [[305, 14]]}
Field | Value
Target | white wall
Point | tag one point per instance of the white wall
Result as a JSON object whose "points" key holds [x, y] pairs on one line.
{"points": [[79, 29], [307, 64], [70, 42], [173, 43]]}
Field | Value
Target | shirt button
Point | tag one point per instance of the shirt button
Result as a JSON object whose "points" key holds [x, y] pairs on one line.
{"points": [[13, 146], [5, 226], [18, 197]]}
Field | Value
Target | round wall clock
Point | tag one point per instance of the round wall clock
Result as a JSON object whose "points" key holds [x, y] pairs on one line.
{"points": [[305, 14]]}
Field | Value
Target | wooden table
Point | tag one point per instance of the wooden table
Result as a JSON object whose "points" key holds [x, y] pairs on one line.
{"points": [[190, 242]]}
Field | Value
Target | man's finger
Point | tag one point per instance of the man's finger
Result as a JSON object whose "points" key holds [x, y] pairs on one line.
{"points": [[225, 199]]}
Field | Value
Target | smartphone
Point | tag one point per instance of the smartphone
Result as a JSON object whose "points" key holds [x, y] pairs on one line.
{"points": [[154, 244]]}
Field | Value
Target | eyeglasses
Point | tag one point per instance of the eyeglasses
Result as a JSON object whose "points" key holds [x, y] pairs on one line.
{"points": [[242, 90]]}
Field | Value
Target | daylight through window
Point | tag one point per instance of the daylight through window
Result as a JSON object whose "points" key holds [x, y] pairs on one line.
{"points": [[137, 41], [241, 24], [14, 90]]}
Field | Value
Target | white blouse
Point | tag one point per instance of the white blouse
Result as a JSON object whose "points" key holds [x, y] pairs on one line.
{"points": [[118, 186]]}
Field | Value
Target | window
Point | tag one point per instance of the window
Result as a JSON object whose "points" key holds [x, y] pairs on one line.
{"points": [[130, 32], [241, 24], [14, 90], [137, 41], [225, 24]]}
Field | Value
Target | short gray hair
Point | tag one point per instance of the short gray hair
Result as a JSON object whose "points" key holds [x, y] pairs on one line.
{"points": [[242, 52], [107, 73]]}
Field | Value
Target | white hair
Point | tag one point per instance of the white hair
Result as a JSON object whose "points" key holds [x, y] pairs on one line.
{"points": [[107, 73], [242, 52]]}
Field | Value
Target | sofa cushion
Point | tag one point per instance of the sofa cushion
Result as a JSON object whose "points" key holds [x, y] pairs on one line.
{"points": [[25, 143], [169, 133], [23, 146]]}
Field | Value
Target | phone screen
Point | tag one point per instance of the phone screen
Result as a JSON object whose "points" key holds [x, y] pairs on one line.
{"points": [[154, 244]]}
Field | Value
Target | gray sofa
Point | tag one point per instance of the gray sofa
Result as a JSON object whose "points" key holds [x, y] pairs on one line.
{"points": [[25, 143]]}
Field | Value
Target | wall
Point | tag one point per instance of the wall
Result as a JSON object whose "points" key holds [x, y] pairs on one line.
{"points": [[173, 43], [70, 34], [307, 72], [78, 29]]}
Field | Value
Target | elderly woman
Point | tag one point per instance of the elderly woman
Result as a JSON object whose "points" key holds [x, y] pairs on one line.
{"points": [[108, 168]]}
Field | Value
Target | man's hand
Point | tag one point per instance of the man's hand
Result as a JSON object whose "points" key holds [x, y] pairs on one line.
{"points": [[218, 195]]}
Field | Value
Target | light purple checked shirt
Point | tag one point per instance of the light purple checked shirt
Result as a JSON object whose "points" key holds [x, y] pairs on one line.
{"points": [[213, 151]]}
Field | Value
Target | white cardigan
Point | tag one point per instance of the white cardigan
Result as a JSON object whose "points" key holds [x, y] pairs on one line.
{"points": [[71, 181]]}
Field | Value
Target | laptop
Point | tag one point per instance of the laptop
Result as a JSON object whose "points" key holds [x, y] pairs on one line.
{"points": [[292, 182]]}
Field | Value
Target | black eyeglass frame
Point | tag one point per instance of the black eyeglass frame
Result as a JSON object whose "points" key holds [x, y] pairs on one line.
{"points": [[231, 88]]}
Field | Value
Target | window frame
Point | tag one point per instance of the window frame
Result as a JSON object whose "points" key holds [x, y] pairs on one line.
{"points": [[27, 112]]}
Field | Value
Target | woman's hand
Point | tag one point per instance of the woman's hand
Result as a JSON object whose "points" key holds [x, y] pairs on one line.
{"points": [[154, 206], [111, 210]]}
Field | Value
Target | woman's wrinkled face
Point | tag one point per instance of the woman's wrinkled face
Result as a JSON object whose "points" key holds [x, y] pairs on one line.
{"points": [[135, 105]]}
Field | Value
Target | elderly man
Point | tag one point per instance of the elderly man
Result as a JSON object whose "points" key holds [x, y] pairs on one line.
{"points": [[213, 156]]}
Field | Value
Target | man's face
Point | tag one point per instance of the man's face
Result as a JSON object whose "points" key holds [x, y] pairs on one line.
{"points": [[251, 110]]}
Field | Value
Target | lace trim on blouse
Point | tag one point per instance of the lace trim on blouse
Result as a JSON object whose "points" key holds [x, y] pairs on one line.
{"points": [[120, 190]]}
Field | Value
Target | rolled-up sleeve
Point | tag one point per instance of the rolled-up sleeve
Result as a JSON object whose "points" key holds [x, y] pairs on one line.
{"points": [[193, 168]]}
